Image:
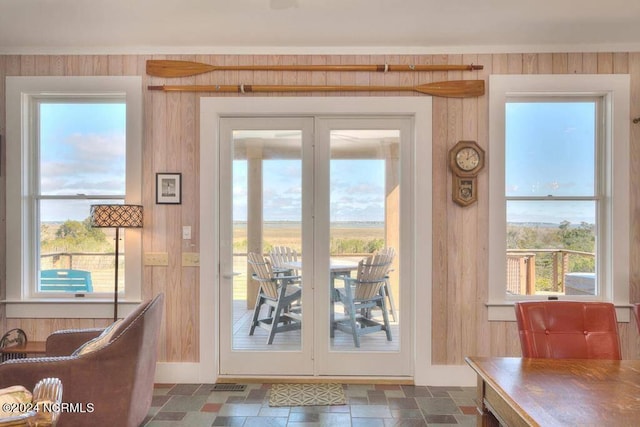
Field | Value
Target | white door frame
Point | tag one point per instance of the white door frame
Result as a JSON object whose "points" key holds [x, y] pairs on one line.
{"points": [[421, 108], [272, 362]]}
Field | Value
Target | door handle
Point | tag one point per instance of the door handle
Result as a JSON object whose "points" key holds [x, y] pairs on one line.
{"points": [[230, 276]]}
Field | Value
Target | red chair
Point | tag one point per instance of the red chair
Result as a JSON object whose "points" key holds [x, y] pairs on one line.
{"points": [[568, 330]]}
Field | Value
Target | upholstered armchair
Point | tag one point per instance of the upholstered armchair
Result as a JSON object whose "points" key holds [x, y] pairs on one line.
{"points": [[108, 381], [568, 330]]}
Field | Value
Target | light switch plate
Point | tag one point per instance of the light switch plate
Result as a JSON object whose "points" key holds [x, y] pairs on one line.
{"points": [[190, 259], [156, 258]]}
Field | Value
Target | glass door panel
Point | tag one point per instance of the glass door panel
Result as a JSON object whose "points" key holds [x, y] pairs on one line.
{"points": [[267, 208], [263, 231], [363, 184], [364, 221]]}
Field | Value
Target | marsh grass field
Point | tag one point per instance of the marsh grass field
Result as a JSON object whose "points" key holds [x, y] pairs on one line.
{"points": [[290, 234], [355, 237]]}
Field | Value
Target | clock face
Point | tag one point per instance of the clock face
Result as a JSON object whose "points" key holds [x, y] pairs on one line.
{"points": [[467, 158]]}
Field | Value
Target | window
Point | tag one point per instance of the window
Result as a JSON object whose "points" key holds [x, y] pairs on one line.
{"points": [[559, 181], [78, 141]]}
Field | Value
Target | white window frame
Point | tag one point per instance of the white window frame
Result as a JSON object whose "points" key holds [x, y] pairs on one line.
{"points": [[613, 226], [22, 95]]}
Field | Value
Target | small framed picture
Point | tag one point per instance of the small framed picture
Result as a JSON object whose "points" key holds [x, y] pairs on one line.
{"points": [[169, 188]]}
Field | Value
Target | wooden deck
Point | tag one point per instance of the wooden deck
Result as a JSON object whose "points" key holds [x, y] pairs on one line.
{"points": [[291, 341]]}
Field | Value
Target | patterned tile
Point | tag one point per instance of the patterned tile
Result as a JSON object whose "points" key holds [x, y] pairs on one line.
{"points": [[386, 405], [413, 391], [408, 423], [267, 411], [160, 400], [357, 401], [469, 410], [407, 413], [370, 411], [229, 421], [185, 403], [304, 417], [236, 399], [257, 395], [265, 422], [198, 419], [367, 422], [402, 403], [184, 389], [211, 407], [203, 390], [169, 416], [440, 419], [239, 410], [437, 405]]}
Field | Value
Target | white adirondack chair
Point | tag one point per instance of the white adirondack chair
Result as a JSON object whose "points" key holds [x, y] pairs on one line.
{"points": [[362, 294], [277, 292]]}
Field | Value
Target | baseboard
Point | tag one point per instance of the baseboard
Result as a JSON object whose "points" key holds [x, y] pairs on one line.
{"points": [[314, 380], [184, 373], [446, 375]]}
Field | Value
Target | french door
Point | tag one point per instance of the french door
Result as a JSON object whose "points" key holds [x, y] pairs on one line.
{"points": [[331, 189]]}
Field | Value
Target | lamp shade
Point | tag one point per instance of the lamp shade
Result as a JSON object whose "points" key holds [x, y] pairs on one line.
{"points": [[129, 216]]}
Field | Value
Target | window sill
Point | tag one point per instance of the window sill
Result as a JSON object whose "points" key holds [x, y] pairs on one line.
{"points": [[66, 308], [504, 312]]}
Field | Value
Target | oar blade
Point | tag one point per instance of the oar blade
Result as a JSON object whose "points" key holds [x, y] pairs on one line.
{"points": [[453, 88], [171, 68]]}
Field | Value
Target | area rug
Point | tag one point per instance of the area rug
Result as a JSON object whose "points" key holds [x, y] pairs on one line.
{"points": [[306, 395]]}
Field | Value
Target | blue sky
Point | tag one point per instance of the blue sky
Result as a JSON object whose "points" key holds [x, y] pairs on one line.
{"points": [[357, 190], [82, 151], [550, 151]]}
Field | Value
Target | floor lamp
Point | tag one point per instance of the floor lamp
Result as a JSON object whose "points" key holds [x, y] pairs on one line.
{"points": [[116, 216]]}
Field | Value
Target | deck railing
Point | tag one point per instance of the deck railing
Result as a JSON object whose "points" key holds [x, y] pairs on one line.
{"points": [[100, 264], [523, 275]]}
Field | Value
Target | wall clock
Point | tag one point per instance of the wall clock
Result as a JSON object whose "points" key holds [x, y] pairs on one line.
{"points": [[466, 160]]}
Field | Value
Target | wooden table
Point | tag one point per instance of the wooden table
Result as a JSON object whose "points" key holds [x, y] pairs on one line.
{"points": [[557, 392], [21, 351], [336, 268]]}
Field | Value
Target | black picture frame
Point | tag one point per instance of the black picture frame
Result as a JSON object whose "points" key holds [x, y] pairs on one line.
{"points": [[168, 188]]}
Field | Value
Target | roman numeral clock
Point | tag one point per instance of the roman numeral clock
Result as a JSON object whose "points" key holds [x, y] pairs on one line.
{"points": [[466, 159]]}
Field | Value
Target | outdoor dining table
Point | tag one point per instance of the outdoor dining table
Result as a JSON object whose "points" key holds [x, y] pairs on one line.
{"points": [[336, 268]]}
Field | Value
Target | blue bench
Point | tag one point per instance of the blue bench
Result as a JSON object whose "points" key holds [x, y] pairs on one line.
{"points": [[66, 280]]}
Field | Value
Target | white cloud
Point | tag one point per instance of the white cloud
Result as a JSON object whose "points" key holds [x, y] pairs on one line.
{"points": [[85, 164]]}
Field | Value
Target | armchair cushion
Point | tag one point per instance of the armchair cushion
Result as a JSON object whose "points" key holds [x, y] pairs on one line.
{"points": [[11, 395], [100, 341], [65, 342]]}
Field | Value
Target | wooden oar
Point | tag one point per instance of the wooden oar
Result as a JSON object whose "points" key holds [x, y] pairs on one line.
{"points": [[171, 68], [446, 89]]}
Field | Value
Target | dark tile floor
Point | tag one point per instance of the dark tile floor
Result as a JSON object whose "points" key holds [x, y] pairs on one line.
{"points": [[367, 406]]}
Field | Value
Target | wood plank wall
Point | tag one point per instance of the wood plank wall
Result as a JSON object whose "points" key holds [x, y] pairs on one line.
{"points": [[460, 248]]}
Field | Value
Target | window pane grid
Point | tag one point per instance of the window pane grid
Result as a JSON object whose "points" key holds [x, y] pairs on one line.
{"points": [[81, 160], [552, 194]]}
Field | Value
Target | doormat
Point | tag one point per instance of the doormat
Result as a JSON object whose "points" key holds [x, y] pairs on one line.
{"points": [[306, 395]]}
